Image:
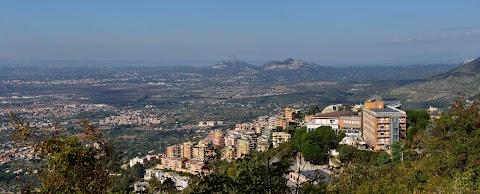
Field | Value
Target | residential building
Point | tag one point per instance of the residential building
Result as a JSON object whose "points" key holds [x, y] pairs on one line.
{"points": [[243, 148], [174, 151], [198, 153], [136, 160], [383, 124], [280, 137], [229, 153], [187, 149], [291, 114]]}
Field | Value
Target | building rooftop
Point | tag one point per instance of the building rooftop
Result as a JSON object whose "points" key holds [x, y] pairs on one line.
{"points": [[336, 114], [383, 110], [315, 175]]}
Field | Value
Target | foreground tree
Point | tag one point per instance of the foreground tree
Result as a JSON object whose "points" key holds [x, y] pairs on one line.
{"points": [[73, 164]]}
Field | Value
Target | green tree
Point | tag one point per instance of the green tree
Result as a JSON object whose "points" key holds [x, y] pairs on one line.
{"points": [[169, 186], [315, 145], [155, 185], [311, 188], [313, 110], [73, 164]]}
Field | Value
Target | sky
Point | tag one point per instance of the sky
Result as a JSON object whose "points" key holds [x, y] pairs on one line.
{"points": [[326, 32]]}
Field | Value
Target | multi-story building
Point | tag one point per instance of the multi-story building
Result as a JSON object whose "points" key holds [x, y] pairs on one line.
{"points": [[198, 153], [243, 147], [217, 137], [174, 151], [187, 149], [328, 119], [383, 124], [229, 153], [291, 114], [232, 140], [280, 137], [350, 125]]}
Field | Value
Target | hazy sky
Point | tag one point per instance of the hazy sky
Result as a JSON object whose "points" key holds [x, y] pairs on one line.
{"points": [[337, 32]]}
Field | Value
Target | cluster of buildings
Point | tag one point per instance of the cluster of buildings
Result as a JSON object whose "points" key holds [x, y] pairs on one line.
{"points": [[13, 151], [210, 123], [181, 182], [131, 117], [376, 126], [43, 117]]}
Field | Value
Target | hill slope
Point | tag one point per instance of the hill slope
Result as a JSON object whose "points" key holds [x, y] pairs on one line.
{"points": [[288, 64], [446, 86], [233, 64]]}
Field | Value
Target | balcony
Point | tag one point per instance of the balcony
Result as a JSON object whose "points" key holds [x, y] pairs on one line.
{"points": [[383, 129]]}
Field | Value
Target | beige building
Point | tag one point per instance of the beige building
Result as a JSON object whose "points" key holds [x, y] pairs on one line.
{"points": [[280, 137], [291, 114], [187, 149], [174, 151], [383, 126], [198, 153], [243, 148], [229, 153], [350, 125]]}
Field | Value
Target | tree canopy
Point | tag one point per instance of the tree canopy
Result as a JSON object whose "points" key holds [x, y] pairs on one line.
{"points": [[315, 145], [73, 164]]}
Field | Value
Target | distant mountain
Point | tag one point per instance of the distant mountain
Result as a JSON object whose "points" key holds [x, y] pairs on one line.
{"points": [[234, 64], [288, 64], [446, 86]]}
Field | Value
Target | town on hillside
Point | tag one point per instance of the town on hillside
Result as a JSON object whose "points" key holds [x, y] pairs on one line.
{"points": [[374, 125]]}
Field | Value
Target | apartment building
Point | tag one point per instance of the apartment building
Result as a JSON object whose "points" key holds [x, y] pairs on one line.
{"points": [[187, 149], [280, 137], [174, 151], [291, 114], [383, 124]]}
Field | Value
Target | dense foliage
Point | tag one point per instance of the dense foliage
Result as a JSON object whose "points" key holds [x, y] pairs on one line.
{"points": [[73, 164], [256, 173], [316, 144]]}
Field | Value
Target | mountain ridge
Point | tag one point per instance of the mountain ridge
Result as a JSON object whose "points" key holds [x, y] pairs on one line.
{"points": [[446, 86]]}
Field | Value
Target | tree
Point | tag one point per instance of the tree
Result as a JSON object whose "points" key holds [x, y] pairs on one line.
{"points": [[73, 164], [169, 186], [310, 188], [252, 174], [278, 129], [155, 185], [289, 129], [313, 110], [315, 145]]}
